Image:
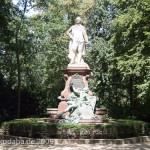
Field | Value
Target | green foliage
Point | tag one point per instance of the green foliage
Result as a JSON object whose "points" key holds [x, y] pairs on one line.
{"points": [[35, 53], [7, 107], [36, 50], [99, 19], [130, 39], [114, 129], [5, 18], [119, 56], [98, 58], [44, 66], [106, 78]]}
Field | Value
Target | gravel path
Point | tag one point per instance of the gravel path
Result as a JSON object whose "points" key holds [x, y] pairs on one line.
{"points": [[20, 143], [140, 146]]}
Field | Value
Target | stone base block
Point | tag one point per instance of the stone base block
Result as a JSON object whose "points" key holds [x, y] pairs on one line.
{"points": [[93, 121], [51, 120], [82, 121]]}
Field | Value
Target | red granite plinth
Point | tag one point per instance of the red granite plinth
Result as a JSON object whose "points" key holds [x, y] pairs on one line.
{"points": [[76, 75], [61, 107], [52, 112], [80, 70], [51, 120], [73, 70], [100, 111]]}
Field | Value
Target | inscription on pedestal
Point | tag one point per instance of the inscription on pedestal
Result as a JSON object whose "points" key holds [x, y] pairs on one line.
{"points": [[77, 81]]}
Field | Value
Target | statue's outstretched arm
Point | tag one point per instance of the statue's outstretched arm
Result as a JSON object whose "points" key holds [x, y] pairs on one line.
{"points": [[85, 35], [68, 32]]}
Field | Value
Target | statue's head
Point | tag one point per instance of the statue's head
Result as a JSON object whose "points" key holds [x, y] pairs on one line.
{"points": [[78, 20]]}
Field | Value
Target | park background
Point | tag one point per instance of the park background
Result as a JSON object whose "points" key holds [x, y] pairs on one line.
{"points": [[34, 49]]}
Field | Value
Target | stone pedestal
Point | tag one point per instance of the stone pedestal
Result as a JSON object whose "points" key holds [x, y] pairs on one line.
{"points": [[76, 74], [52, 112]]}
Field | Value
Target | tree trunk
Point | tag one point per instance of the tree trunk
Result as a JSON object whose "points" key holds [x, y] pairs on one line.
{"points": [[131, 93], [18, 84], [18, 76]]}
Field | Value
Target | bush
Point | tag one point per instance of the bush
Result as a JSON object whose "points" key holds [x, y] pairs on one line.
{"points": [[112, 130]]}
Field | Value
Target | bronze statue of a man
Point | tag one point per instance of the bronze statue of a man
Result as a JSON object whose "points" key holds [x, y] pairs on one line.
{"points": [[78, 41]]}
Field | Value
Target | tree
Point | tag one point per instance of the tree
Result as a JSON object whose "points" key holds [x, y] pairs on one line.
{"points": [[50, 46], [30, 53], [131, 43], [99, 20], [100, 52]]}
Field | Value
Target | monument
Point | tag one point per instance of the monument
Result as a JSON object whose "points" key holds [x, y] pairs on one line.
{"points": [[77, 101]]}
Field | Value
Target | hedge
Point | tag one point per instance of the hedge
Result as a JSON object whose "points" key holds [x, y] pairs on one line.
{"points": [[116, 129]]}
